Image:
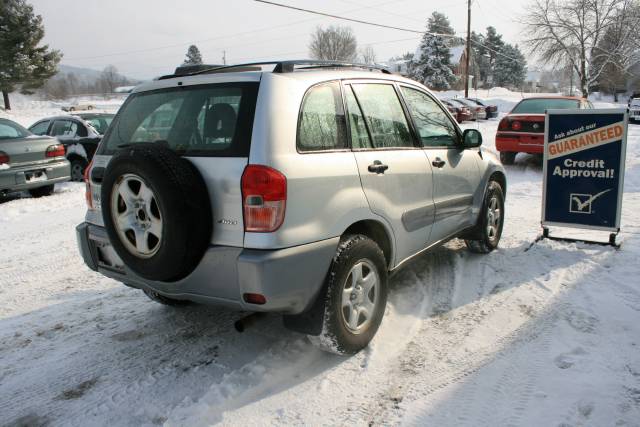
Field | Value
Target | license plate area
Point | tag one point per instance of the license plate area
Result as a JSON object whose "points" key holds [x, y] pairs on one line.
{"points": [[35, 176], [107, 256]]}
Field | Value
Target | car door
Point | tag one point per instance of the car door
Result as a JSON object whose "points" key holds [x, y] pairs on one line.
{"points": [[394, 172], [456, 172], [66, 131]]}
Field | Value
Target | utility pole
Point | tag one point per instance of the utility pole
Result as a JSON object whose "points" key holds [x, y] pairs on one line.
{"points": [[224, 57], [468, 56]]}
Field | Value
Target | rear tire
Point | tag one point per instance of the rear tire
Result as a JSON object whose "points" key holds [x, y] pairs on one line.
{"points": [[47, 190], [491, 221], [154, 296], [355, 296], [507, 157]]}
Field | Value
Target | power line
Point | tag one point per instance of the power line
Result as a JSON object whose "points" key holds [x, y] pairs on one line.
{"points": [[359, 21], [215, 38]]}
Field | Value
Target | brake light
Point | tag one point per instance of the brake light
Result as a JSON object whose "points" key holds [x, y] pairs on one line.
{"points": [[87, 182], [516, 125], [56, 150], [4, 158], [264, 197], [504, 124]]}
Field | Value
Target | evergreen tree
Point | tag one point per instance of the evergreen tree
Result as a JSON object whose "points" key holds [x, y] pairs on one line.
{"points": [[193, 56], [439, 23], [432, 64], [510, 72], [22, 62]]}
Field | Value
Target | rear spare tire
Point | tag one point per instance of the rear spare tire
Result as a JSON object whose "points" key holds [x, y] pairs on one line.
{"points": [[156, 211]]}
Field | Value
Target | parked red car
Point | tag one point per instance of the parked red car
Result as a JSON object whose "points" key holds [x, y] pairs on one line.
{"points": [[522, 130], [461, 113]]}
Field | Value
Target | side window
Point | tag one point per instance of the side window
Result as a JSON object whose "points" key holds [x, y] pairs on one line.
{"points": [[359, 135], [40, 128], [384, 115], [322, 123], [433, 125], [82, 130], [64, 128]]}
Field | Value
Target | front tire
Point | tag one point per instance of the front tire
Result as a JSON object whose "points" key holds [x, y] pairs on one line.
{"points": [[507, 157], [77, 169], [47, 190], [491, 221], [355, 296]]}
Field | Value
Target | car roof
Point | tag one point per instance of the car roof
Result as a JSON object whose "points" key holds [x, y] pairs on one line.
{"points": [[308, 76], [574, 98]]}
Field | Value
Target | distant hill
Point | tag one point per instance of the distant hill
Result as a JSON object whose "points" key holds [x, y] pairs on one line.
{"points": [[85, 75]]}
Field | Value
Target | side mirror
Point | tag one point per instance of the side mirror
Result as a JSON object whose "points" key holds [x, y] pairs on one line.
{"points": [[471, 138]]}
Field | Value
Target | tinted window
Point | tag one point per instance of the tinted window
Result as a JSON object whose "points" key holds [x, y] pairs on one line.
{"points": [[359, 135], [538, 106], [384, 115], [203, 120], [322, 123], [11, 130], [64, 128], [100, 124], [433, 125], [40, 128]]}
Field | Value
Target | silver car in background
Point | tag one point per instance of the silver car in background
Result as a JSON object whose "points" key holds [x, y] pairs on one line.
{"points": [[30, 162]]}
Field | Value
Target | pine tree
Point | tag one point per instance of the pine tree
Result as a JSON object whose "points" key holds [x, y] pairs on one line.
{"points": [[432, 64], [22, 62], [510, 72], [439, 23], [193, 56]]}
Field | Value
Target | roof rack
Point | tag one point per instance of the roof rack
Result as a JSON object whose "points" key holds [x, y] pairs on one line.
{"points": [[279, 67]]}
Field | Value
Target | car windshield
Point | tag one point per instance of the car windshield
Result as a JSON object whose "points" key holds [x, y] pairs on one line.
{"points": [[635, 103], [540, 105], [12, 130], [202, 120], [99, 123]]}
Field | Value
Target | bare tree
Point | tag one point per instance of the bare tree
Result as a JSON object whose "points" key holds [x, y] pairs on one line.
{"points": [[368, 55], [567, 32], [110, 79], [333, 44]]}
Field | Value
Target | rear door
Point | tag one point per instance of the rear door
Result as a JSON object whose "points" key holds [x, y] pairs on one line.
{"points": [[394, 172], [456, 172], [210, 125]]}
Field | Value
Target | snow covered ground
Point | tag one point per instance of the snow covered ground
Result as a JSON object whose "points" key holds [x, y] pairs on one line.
{"points": [[542, 334]]}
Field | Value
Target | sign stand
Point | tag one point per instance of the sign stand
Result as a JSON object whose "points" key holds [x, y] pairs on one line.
{"points": [[611, 242], [583, 170]]}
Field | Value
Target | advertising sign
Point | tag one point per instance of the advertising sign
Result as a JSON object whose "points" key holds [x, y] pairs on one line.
{"points": [[584, 167]]}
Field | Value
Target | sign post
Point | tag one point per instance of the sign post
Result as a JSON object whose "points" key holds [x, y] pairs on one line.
{"points": [[584, 164]]}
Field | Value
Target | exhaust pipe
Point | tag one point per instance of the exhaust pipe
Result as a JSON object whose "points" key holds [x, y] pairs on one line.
{"points": [[242, 324]]}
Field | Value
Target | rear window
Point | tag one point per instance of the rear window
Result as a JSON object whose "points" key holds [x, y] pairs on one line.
{"points": [[205, 120], [538, 106], [11, 130], [635, 103]]}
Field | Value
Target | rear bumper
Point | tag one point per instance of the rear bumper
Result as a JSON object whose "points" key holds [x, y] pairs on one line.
{"points": [[290, 279], [520, 143], [34, 176]]}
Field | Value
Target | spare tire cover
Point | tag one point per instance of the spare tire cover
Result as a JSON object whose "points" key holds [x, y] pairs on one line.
{"points": [[156, 211]]}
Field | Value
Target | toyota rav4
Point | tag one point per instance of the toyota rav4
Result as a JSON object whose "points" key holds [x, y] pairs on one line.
{"points": [[290, 187]]}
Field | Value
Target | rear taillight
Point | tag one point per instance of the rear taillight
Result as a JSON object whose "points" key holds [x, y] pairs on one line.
{"points": [[264, 197], [56, 150], [516, 125], [87, 182], [504, 124], [4, 158]]}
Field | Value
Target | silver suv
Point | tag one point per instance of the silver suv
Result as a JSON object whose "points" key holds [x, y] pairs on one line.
{"points": [[290, 187]]}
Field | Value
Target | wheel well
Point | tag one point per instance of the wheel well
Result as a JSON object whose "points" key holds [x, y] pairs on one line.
{"points": [[376, 232], [500, 179], [74, 156]]}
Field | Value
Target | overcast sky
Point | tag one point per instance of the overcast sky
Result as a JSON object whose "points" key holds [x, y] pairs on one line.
{"points": [[146, 38]]}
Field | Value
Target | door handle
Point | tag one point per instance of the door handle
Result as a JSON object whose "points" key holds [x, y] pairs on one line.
{"points": [[438, 162], [378, 167]]}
